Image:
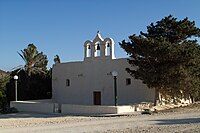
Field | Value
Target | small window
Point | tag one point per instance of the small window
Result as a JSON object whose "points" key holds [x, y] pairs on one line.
{"points": [[67, 82], [128, 81]]}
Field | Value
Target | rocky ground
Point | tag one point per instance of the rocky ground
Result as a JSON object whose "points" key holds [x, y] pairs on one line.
{"points": [[184, 119]]}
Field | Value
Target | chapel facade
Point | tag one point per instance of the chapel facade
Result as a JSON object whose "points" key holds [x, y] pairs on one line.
{"points": [[90, 82]]}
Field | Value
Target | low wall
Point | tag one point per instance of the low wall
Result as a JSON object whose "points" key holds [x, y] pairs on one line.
{"points": [[34, 106], [42, 100], [125, 109], [48, 106], [94, 109]]}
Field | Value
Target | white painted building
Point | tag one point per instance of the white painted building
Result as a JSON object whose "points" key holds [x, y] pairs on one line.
{"points": [[90, 82]]}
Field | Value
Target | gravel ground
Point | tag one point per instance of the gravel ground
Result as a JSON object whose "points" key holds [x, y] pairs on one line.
{"points": [[178, 120]]}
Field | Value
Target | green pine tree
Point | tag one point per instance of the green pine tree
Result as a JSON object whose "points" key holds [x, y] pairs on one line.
{"points": [[167, 57]]}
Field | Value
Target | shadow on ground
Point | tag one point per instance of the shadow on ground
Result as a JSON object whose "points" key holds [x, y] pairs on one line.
{"points": [[52, 115], [178, 121], [29, 115]]}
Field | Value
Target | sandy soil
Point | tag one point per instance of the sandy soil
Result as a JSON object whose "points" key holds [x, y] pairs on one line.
{"points": [[184, 120]]}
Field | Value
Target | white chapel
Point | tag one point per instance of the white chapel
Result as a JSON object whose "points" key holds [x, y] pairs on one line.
{"points": [[100, 79]]}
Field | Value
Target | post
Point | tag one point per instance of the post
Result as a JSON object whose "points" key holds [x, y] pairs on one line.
{"points": [[15, 89], [15, 78], [115, 89], [114, 74]]}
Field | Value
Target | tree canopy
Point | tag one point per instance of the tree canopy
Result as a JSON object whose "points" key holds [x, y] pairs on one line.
{"points": [[167, 56], [35, 62]]}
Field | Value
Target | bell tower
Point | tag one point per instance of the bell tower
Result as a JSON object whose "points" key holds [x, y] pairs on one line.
{"points": [[99, 48]]}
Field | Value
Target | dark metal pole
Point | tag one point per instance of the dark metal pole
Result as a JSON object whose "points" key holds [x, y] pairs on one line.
{"points": [[15, 89], [115, 89]]}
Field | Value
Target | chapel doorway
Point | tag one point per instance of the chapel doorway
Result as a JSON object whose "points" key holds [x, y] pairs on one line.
{"points": [[97, 97]]}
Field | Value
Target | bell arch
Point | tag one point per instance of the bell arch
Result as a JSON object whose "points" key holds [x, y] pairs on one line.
{"points": [[87, 48], [109, 44], [97, 49]]}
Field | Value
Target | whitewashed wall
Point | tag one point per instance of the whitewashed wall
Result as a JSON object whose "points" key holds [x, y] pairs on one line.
{"points": [[94, 75], [85, 109]]}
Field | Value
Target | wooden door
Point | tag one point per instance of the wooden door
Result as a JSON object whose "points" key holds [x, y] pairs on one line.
{"points": [[97, 98]]}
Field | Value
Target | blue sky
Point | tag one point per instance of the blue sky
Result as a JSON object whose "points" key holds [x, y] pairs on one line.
{"points": [[62, 26]]}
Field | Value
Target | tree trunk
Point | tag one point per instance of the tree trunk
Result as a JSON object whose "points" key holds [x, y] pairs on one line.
{"points": [[192, 98], [156, 99]]}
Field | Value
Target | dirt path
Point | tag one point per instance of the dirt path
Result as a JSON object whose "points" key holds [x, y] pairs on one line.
{"points": [[185, 121]]}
